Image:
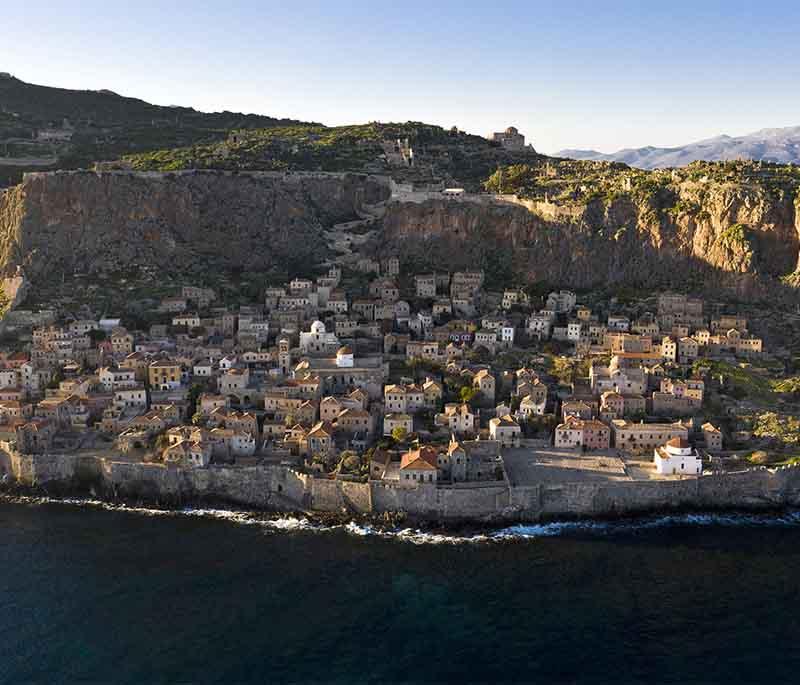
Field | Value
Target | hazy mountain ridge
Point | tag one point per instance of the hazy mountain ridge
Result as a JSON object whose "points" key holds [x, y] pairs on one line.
{"points": [[781, 145]]}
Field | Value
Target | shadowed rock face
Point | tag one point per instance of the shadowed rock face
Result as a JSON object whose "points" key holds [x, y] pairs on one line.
{"points": [[739, 238], [87, 222]]}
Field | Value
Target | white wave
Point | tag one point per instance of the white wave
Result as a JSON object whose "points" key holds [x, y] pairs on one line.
{"points": [[518, 532]]}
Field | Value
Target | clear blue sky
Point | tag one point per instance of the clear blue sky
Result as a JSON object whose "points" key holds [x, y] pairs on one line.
{"points": [[600, 74]]}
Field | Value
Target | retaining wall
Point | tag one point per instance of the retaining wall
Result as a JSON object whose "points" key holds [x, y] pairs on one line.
{"points": [[283, 489]]}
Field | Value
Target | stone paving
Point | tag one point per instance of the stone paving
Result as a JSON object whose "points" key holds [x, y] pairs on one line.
{"points": [[526, 466]]}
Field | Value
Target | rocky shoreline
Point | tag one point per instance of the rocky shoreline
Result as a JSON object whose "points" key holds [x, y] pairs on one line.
{"points": [[74, 491]]}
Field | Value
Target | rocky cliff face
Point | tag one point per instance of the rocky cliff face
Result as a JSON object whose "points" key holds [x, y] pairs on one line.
{"points": [[695, 235], [703, 236], [67, 222]]}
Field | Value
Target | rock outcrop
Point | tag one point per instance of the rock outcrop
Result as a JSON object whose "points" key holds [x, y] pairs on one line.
{"points": [[740, 237], [87, 222], [692, 235]]}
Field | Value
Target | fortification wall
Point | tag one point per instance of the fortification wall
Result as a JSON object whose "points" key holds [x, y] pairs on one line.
{"points": [[282, 489]]}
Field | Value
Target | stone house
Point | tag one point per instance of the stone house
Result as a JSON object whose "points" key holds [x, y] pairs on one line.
{"points": [[234, 381], [379, 463], [139, 363], [330, 408], [485, 384], [228, 442], [364, 309], [128, 399], [398, 420], [515, 298], [505, 430], [12, 410], [433, 392], [669, 349], [121, 341], [115, 378], [384, 289], [306, 413], [208, 403], [429, 350], [34, 436], [562, 301], [425, 285], [319, 439], [639, 437], [531, 406], [539, 326], [442, 307], [419, 466], [173, 305], [164, 374], [354, 421], [578, 409], [614, 405], [407, 399], [688, 350], [458, 418], [712, 437], [625, 381], [589, 434], [203, 368], [337, 302]]}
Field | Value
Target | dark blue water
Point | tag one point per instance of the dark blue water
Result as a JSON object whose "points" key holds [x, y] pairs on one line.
{"points": [[107, 596]]}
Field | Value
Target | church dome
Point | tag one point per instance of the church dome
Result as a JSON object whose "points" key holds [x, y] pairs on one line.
{"points": [[318, 327], [679, 447], [344, 350]]}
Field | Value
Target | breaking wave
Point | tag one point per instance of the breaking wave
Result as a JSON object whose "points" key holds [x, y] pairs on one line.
{"points": [[418, 536]]}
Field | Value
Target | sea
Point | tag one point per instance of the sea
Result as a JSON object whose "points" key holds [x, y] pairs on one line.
{"points": [[93, 593]]}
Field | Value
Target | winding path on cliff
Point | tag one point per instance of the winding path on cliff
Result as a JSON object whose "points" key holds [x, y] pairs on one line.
{"points": [[342, 238]]}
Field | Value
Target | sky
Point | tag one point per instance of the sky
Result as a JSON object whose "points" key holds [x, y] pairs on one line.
{"points": [[601, 75]]}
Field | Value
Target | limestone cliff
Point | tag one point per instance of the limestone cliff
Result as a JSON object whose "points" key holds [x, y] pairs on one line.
{"points": [[697, 235], [67, 222], [740, 237]]}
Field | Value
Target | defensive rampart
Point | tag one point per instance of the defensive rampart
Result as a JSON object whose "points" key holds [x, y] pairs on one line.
{"points": [[278, 488]]}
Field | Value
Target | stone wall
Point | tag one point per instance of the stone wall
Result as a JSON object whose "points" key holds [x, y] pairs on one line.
{"points": [[279, 488]]}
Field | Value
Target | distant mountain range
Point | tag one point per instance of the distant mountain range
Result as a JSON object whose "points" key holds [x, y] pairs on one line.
{"points": [[769, 145]]}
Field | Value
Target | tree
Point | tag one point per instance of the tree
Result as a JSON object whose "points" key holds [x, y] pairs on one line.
{"points": [[194, 393], [563, 369], [790, 386], [97, 335], [350, 463], [467, 394], [783, 429], [399, 433], [55, 381]]}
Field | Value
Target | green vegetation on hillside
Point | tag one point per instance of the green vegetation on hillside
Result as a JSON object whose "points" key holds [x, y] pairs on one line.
{"points": [[565, 181], [102, 125], [440, 155]]}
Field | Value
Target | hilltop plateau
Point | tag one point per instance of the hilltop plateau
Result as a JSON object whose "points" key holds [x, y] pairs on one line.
{"points": [[216, 194]]}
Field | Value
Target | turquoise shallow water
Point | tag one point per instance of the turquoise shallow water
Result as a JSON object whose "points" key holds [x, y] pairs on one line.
{"points": [[88, 595]]}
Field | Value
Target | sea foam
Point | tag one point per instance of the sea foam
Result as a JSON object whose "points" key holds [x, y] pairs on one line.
{"points": [[418, 536]]}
